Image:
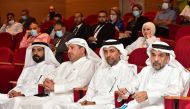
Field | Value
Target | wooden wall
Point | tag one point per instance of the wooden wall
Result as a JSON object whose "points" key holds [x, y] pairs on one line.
{"points": [[39, 8]]}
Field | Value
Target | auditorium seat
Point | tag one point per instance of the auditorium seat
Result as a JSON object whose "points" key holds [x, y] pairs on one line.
{"points": [[182, 51], [138, 57], [69, 23], [91, 19], [183, 31], [78, 93], [6, 54], [17, 39], [6, 40], [126, 17], [150, 15], [19, 56]]}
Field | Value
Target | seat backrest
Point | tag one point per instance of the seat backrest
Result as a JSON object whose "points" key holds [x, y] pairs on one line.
{"points": [[17, 39], [182, 51], [6, 40], [150, 15], [182, 31], [91, 19], [138, 57], [6, 54], [19, 56]]}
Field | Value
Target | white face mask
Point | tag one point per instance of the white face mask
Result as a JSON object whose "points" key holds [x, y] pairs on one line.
{"points": [[113, 17], [165, 6], [11, 22]]}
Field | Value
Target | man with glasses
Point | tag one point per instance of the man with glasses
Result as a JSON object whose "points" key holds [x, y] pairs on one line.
{"points": [[34, 35], [11, 26], [102, 31]]}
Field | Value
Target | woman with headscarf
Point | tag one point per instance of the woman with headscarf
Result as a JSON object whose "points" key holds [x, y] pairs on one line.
{"points": [[148, 31]]}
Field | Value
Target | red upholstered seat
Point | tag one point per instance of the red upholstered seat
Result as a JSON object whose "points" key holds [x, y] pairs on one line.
{"points": [[6, 54], [17, 38], [19, 56], [91, 19], [6, 40], [182, 51], [150, 15], [69, 23], [183, 31], [78, 93], [187, 106], [138, 57]]}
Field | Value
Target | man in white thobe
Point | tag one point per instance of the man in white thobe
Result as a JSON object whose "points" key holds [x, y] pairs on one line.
{"points": [[75, 73], [161, 77], [113, 71], [39, 61]]}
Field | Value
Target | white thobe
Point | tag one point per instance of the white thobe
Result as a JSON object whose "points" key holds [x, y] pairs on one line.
{"points": [[27, 84], [66, 77], [141, 42], [102, 86], [157, 84], [12, 29]]}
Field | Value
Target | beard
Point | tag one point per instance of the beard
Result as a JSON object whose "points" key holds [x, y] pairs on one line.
{"points": [[38, 59]]}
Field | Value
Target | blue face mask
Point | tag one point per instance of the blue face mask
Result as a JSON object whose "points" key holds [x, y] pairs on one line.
{"points": [[59, 33], [136, 13], [24, 17], [34, 32]]}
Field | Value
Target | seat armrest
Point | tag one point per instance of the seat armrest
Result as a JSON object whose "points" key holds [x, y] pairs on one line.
{"points": [[78, 93]]}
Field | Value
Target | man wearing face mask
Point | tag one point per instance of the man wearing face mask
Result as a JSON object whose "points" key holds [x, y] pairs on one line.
{"points": [[185, 14], [26, 19], [34, 35], [50, 15], [163, 18], [11, 26], [61, 36], [101, 32]]}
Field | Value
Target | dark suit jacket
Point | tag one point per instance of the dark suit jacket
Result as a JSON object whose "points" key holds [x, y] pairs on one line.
{"points": [[62, 46], [107, 32], [83, 31]]}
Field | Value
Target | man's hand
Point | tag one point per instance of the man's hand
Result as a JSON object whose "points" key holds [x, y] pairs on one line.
{"points": [[140, 96], [92, 39], [87, 103], [122, 92], [13, 93], [48, 85]]}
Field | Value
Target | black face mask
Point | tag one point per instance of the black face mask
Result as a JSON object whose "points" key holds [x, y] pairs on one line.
{"points": [[51, 15], [188, 3], [38, 59]]}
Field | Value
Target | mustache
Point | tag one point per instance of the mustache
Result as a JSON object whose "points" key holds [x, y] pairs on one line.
{"points": [[156, 63]]}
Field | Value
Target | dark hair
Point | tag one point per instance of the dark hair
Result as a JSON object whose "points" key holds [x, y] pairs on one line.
{"points": [[8, 14], [138, 6], [26, 11], [58, 15], [34, 22], [102, 11], [60, 23]]}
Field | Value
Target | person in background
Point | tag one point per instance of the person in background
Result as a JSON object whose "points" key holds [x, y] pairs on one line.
{"points": [[115, 19], [39, 61], [101, 32], [148, 31], [11, 25], [80, 29], [134, 25], [26, 19], [50, 15], [34, 35], [163, 18], [185, 14]]}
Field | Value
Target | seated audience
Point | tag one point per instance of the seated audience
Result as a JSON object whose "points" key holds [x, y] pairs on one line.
{"points": [[50, 15], [134, 25], [101, 32], [34, 35], [11, 25], [148, 31], [115, 19], [26, 19], [185, 14], [71, 74], [81, 29], [164, 17], [161, 77], [39, 61], [113, 72], [61, 36]]}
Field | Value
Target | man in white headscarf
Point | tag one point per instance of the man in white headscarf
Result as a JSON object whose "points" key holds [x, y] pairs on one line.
{"points": [[113, 71], [148, 31], [75, 73], [163, 76], [39, 61]]}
